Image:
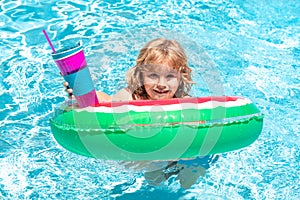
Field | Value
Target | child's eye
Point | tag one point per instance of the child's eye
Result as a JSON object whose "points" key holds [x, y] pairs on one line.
{"points": [[170, 76], [153, 75]]}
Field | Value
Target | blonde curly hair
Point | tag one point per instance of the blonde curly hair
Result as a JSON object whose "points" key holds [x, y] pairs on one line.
{"points": [[157, 52]]}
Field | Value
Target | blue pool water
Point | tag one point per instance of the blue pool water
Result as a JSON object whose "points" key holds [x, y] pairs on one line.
{"points": [[243, 48]]}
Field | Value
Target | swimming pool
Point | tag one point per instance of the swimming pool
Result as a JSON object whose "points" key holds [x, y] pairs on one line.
{"points": [[251, 48]]}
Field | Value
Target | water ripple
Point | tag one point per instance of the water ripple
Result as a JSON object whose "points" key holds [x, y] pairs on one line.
{"points": [[249, 48]]}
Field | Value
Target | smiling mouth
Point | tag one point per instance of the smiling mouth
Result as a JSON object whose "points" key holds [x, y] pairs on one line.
{"points": [[161, 91]]}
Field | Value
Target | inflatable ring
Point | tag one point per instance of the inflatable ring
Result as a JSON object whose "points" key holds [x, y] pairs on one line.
{"points": [[158, 129]]}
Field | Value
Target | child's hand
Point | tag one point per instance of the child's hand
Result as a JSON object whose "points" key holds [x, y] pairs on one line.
{"points": [[69, 90]]}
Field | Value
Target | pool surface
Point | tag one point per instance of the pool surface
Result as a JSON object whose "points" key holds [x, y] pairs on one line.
{"points": [[241, 48]]}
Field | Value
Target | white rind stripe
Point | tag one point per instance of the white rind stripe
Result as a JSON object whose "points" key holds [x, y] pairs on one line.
{"points": [[171, 107]]}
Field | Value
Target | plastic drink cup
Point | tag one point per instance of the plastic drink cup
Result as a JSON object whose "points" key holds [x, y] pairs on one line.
{"points": [[73, 67]]}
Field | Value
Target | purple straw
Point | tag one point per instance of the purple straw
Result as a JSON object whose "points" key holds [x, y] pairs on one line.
{"points": [[48, 39]]}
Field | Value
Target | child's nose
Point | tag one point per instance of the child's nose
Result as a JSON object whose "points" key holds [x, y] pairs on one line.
{"points": [[162, 82]]}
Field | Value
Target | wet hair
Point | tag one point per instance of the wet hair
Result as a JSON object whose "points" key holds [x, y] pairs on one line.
{"points": [[158, 52]]}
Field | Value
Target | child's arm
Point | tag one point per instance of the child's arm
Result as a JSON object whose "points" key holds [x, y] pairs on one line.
{"points": [[100, 95], [122, 95]]}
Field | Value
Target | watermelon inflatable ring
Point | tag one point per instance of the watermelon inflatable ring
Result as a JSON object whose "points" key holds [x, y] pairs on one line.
{"points": [[158, 129]]}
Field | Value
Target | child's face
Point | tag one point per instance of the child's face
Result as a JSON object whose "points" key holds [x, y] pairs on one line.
{"points": [[161, 82]]}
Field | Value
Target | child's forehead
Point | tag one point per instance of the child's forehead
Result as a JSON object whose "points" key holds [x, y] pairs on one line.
{"points": [[164, 67]]}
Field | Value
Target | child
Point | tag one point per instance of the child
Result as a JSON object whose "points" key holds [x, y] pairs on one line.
{"points": [[161, 72]]}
